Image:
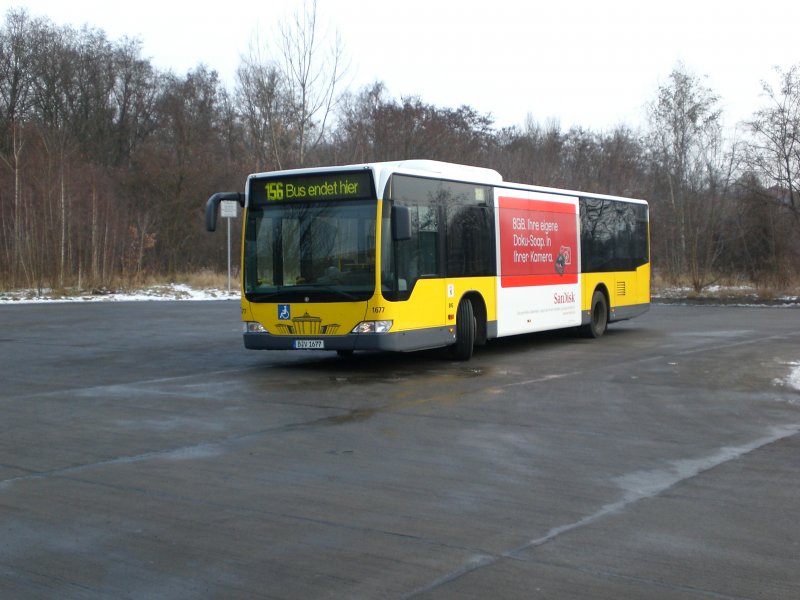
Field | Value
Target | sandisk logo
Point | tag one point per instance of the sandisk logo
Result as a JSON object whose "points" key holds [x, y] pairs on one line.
{"points": [[563, 297]]}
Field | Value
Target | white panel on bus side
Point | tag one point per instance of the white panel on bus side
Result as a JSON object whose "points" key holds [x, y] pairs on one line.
{"points": [[538, 258]]}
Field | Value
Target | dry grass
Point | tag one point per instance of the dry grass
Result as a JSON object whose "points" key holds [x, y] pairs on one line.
{"points": [[201, 280], [724, 289], [207, 280]]}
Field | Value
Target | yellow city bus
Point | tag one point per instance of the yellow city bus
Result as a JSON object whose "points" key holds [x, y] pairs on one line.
{"points": [[419, 254]]}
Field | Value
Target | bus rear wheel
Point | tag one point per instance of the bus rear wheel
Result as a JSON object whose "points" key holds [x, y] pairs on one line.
{"points": [[465, 332], [598, 320]]}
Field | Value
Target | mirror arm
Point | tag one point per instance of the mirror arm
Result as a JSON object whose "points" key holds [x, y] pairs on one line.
{"points": [[213, 203]]}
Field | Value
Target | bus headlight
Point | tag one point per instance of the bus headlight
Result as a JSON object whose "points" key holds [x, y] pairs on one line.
{"points": [[372, 327], [254, 327]]}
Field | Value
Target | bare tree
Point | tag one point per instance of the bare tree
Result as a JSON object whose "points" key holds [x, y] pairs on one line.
{"points": [[261, 109], [19, 40], [774, 154], [132, 99], [685, 138], [358, 123], [287, 90], [311, 69]]}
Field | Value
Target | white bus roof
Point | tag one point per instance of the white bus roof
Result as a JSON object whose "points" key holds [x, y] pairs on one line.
{"points": [[451, 171]]}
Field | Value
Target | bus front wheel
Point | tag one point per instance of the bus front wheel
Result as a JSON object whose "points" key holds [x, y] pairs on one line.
{"points": [[598, 320], [465, 332]]}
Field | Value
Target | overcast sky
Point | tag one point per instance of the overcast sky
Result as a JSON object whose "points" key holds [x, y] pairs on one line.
{"points": [[584, 63]]}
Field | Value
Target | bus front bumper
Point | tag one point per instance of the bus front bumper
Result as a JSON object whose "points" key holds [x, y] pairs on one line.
{"points": [[401, 341]]}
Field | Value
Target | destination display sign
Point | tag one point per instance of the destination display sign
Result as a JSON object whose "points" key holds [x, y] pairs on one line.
{"points": [[315, 187]]}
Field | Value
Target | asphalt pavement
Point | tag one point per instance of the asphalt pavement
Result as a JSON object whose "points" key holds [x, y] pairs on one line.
{"points": [[144, 453]]}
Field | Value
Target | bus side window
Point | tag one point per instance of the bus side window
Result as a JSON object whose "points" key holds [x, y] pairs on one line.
{"points": [[470, 241], [613, 235], [418, 256], [427, 239]]}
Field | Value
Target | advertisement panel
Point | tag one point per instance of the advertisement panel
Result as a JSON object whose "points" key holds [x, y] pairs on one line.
{"points": [[538, 242], [537, 236]]}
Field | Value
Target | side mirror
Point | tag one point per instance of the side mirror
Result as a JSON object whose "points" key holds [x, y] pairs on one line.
{"points": [[401, 223], [213, 202]]}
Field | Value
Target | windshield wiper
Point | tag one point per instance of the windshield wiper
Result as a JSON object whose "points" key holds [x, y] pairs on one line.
{"points": [[262, 296], [312, 287], [287, 294]]}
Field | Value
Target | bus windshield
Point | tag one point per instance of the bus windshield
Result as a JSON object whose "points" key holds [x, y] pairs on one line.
{"points": [[323, 251]]}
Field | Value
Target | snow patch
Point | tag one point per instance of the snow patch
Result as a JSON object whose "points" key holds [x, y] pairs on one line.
{"points": [[793, 380], [171, 291]]}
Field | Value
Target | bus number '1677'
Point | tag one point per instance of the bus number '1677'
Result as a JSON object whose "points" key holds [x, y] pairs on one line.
{"points": [[378, 309]]}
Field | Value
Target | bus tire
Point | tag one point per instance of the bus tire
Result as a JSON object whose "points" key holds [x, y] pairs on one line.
{"points": [[598, 319], [465, 332]]}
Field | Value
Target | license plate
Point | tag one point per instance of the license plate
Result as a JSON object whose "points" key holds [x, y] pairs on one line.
{"points": [[309, 344]]}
